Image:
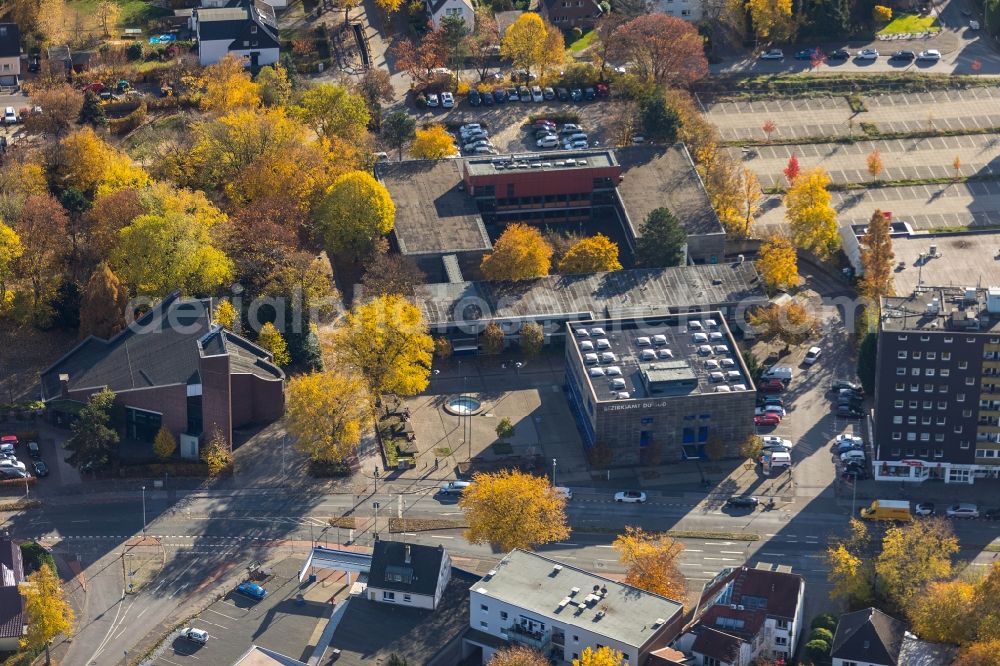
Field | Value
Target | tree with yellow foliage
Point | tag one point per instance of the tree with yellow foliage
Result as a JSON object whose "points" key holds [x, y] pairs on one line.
{"points": [[773, 20], [386, 340], [778, 263], [226, 315], [791, 323], [591, 255], [270, 338], [389, 6], [11, 250], [108, 14], [812, 219], [553, 54], [510, 509], [218, 453], [18, 181], [985, 653], [945, 612], [327, 412], [355, 211], [850, 566], [602, 656], [750, 197], [274, 85], [518, 655], [877, 257], [334, 112], [86, 162], [520, 253], [432, 143], [228, 87], [164, 444], [48, 611], [524, 42], [913, 557], [651, 562], [51, 20], [882, 14]]}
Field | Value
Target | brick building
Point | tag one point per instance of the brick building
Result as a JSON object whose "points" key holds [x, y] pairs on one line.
{"points": [[657, 389], [172, 367], [449, 212]]}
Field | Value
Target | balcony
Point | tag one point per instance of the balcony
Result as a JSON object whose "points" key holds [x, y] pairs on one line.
{"points": [[537, 640]]}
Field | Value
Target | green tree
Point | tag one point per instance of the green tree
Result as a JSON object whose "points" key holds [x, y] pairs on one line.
{"points": [[355, 211], [275, 86], [505, 429], [659, 121], [92, 112], [531, 339], [102, 310], [398, 130], [492, 339], [164, 444], [48, 611], [662, 240], [818, 650], [270, 338], [93, 440], [334, 112], [455, 37]]}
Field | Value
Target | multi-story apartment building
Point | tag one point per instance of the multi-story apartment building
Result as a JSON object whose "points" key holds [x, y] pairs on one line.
{"points": [[560, 611], [937, 397]]}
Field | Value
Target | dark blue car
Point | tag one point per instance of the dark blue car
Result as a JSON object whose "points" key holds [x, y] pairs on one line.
{"points": [[252, 590]]}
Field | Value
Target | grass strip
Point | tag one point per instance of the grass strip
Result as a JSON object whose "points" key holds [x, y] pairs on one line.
{"points": [[20, 505], [869, 135], [397, 525]]}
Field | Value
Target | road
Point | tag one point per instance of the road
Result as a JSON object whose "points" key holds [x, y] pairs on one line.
{"points": [[204, 533]]}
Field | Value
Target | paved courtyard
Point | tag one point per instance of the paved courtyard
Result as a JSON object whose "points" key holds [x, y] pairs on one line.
{"points": [[530, 396]]}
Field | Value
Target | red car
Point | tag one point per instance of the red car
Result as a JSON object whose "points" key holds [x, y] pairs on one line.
{"points": [[767, 420], [9, 439], [771, 386]]}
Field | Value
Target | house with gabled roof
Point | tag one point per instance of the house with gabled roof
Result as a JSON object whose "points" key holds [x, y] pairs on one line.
{"points": [[408, 574], [441, 9], [173, 367], [13, 621], [10, 56], [247, 29]]}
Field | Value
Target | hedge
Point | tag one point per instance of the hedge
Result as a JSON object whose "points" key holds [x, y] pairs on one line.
{"points": [[35, 555], [129, 122]]}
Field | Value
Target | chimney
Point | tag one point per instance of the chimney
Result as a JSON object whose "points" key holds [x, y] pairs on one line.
{"points": [[406, 558]]}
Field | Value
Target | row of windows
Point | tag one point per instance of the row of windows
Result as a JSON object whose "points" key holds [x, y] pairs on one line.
{"points": [[924, 436], [924, 420], [391, 596], [931, 356], [987, 453], [928, 372], [929, 388], [948, 340], [912, 453], [929, 404]]}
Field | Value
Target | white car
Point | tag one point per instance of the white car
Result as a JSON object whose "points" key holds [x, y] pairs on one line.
{"points": [[771, 440], [16, 464], [575, 145], [472, 145], [633, 496], [485, 150], [867, 54], [470, 127], [199, 636], [853, 454], [9, 116], [548, 142], [773, 54], [963, 510], [433, 101], [536, 94], [812, 355], [930, 54], [447, 100]]}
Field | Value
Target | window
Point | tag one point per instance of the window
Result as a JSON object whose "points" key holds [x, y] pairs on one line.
{"points": [[940, 421], [943, 388], [898, 404], [897, 435], [945, 372], [253, 30], [781, 624], [939, 453], [484, 607], [900, 371], [914, 371], [503, 615], [939, 437], [971, 341], [902, 338], [931, 356], [901, 354], [685, 12], [958, 430], [912, 420], [895, 452], [911, 436], [246, 43], [964, 445], [913, 404], [925, 437], [970, 381], [897, 419], [781, 640], [916, 354], [925, 420], [945, 356], [914, 388], [576, 639], [929, 372], [900, 387], [928, 388], [484, 624], [388, 596], [406, 598], [927, 404], [6, 67]]}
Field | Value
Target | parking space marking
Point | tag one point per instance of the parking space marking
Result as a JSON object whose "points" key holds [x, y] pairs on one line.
{"points": [[201, 619], [171, 662]]}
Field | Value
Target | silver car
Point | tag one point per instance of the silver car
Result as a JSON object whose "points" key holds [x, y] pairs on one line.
{"points": [[963, 510]]}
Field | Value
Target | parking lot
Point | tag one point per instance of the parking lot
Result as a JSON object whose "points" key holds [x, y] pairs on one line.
{"points": [[903, 159], [962, 110], [281, 622], [925, 207]]}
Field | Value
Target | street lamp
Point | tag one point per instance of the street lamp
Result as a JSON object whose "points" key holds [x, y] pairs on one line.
{"points": [[376, 478], [553, 472], [144, 511]]}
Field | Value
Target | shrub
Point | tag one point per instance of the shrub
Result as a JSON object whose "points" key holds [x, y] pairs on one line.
{"points": [[817, 650], [821, 634], [134, 51], [560, 117], [34, 555], [463, 88], [824, 621]]}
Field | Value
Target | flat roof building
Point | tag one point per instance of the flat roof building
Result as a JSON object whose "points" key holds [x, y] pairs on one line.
{"points": [[560, 610], [937, 386], [658, 388], [459, 206]]}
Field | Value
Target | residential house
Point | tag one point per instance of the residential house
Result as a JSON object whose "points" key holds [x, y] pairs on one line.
{"points": [[440, 9], [173, 367], [559, 610], [566, 14], [746, 613], [689, 10], [13, 622], [10, 56], [408, 574], [867, 637], [247, 30]]}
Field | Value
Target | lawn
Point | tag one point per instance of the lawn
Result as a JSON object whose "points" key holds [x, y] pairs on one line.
{"points": [[911, 23], [582, 43], [134, 13]]}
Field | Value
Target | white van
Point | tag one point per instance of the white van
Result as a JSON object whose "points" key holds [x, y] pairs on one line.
{"points": [[784, 374], [781, 459]]}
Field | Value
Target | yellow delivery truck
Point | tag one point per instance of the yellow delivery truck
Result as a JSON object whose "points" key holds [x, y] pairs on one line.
{"points": [[888, 510]]}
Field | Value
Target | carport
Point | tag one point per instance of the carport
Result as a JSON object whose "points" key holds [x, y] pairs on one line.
{"points": [[347, 561]]}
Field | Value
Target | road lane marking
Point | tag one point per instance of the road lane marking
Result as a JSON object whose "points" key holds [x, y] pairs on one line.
{"points": [[201, 619], [605, 546], [441, 536], [171, 662], [721, 559], [732, 552], [693, 550], [566, 543], [772, 554], [211, 610]]}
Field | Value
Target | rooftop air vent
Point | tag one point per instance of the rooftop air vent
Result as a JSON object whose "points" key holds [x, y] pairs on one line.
{"points": [[659, 622], [573, 591], [556, 568]]}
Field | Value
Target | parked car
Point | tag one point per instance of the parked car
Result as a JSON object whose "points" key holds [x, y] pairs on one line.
{"points": [[853, 444], [562, 94], [602, 90], [447, 100], [499, 96], [33, 450], [839, 54], [742, 501], [485, 150], [487, 99], [853, 454], [856, 469], [589, 94], [524, 94], [536, 94], [807, 54], [13, 473], [252, 590], [576, 94], [769, 419], [842, 384], [630, 496], [199, 636], [812, 355], [963, 510], [512, 95], [771, 440], [771, 386], [570, 129], [17, 464], [475, 99], [549, 141], [773, 400], [773, 54], [454, 487], [930, 55], [849, 412], [576, 145], [9, 116], [471, 127], [924, 509], [771, 409], [867, 54], [548, 93], [470, 147], [903, 55], [41, 469], [433, 101], [6, 447]]}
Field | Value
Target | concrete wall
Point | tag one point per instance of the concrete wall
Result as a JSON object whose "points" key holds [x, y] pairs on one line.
{"points": [[701, 249], [211, 52]]}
